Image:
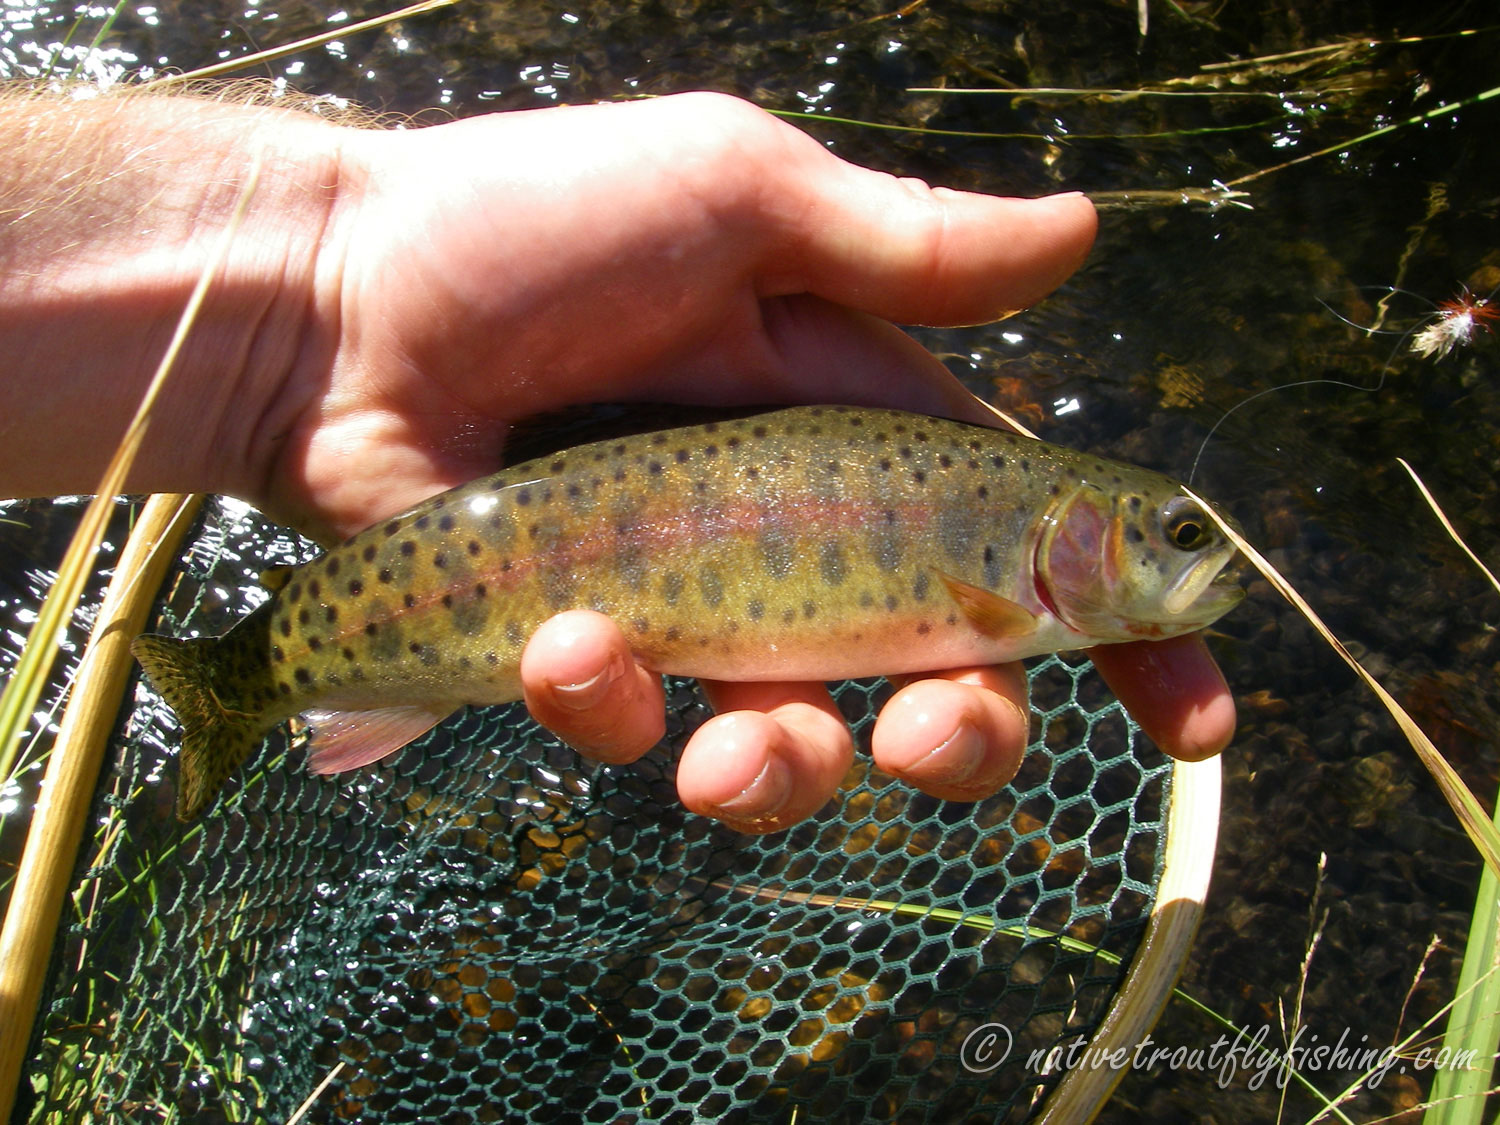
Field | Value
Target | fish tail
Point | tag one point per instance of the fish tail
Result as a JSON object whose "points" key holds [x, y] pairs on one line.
{"points": [[216, 738]]}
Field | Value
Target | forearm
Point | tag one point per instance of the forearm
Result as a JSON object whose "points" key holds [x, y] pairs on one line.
{"points": [[109, 211]]}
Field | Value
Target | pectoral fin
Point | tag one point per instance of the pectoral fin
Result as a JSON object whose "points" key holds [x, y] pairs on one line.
{"points": [[346, 740], [987, 611]]}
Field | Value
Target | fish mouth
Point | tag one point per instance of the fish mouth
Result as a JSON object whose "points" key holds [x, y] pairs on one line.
{"points": [[1208, 589]]}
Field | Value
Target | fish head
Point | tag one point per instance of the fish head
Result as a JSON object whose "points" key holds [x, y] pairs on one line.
{"points": [[1136, 558]]}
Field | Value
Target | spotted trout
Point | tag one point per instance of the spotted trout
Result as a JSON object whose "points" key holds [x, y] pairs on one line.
{"points": [[814, 543]]}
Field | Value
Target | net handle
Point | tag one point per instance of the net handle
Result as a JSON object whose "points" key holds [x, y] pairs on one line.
{"points": [[1192, 829]]}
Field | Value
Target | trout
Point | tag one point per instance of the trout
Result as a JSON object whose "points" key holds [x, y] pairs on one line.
{"points": [[813, 543]]}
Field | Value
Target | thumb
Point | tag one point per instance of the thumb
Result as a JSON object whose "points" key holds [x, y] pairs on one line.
{"points": [[917, 254]]}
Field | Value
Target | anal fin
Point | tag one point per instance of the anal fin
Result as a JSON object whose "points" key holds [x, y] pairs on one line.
{"points": [[346, 740]]}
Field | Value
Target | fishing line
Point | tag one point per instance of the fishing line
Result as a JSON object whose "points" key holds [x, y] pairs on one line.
{"points": [[1450, 324]]}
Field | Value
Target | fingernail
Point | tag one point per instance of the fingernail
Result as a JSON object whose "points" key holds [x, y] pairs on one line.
{"points": [[956, 759], [588, 693], [765, 796]]}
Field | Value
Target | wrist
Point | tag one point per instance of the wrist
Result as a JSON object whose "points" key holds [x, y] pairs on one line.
{"points": [[108, 215]]}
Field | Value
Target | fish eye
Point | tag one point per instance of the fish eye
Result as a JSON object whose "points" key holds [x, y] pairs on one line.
{"points": [[1186, 525]]}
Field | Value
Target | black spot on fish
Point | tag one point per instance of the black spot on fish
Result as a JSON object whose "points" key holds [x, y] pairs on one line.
{"points": [[752, 472], [368, 554], [885, 464], [658, 439], [491, 658], [983, 492], [303, 676], [276, 654], [559, 465], [447, 601], [620, 475], [710, 450], [445, 524], [331, 567], [1135, 503], [371, 628], [440, 560], [1055, 490], [348, 653], [945, 461], [314, 643], [788, 615], [866, 599], [294, 591], [1135, 534], [920, 435], [681, 455], [992, 573], [919, 587], [759, 431], [408, 547], [284, 687], [997, 461], [905, 452], [733, 443], [314, 589], [891, 602], [331, 614], [641, 625], [523, 496], [356, 587], [421, 523], [391, 528], [474, 547], [1025, 465], [479, 590], [923, 629], [918, 475], [384, 575], [809, 609], [756, 609], [674, 633], [303, 617], [409, 600], [654, 467]]}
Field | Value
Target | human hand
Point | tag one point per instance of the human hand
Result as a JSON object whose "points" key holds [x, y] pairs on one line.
{"points": [[695, 250]]}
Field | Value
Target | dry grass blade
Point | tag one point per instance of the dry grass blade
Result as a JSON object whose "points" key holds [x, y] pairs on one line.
{"points": [[1447, 526], [312, 1098], [231, 65], [1470, 813]]}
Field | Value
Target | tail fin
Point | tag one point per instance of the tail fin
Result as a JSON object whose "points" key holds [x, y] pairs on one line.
{"points": [[215, 738]]}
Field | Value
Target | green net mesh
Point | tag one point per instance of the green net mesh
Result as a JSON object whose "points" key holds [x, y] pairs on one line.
{"points": [[487, 927]]}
